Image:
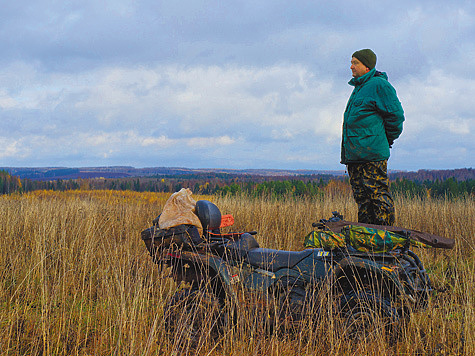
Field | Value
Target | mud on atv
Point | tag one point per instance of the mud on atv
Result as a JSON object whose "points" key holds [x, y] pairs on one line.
{"points": [[227, 274]]}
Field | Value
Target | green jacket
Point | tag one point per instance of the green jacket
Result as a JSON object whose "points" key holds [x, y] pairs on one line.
{"points": [[372, 121]]}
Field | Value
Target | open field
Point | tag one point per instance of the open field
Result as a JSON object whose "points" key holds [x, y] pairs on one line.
{"points": [[76, 279]]}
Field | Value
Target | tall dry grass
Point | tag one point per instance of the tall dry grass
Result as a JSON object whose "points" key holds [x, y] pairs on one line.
{"points": [[76, 278]]}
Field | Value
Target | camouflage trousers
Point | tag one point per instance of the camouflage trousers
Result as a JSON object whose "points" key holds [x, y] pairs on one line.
{"points": [[370, 185]]}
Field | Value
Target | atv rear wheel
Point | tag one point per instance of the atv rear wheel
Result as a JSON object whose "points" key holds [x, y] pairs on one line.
{"points": [[193, 316], [366, 315]]}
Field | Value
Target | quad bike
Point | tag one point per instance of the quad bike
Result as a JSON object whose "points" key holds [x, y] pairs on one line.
{"points": [[222, 274]]}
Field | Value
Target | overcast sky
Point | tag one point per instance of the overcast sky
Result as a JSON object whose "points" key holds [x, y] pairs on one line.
{"points": [[228, 84]]}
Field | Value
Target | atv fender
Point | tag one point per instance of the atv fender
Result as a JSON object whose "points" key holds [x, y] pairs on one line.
{"points": [[263, 280], [204, 268], [355, 272]]}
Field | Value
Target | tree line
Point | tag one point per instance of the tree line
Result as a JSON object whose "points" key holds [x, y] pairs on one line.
{"points": [[209, 184]]}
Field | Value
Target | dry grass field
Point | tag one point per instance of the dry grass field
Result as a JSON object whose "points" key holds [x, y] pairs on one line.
{"points": [[76, 278]]}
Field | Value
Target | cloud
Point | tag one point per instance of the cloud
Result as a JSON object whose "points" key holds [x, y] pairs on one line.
{"points": [[171, 106], [215, 142], [441, 102], [105, 112], [8, 148], [161, 141], [6, 101]]}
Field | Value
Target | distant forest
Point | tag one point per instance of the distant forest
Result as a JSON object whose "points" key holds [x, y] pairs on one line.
{"points": [[445, 183]]}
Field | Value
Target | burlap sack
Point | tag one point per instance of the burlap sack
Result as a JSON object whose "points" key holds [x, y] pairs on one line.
{"points": [[179, 209]]}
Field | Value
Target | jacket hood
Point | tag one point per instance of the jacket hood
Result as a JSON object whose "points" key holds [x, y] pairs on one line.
{"points": [[381, 75]]}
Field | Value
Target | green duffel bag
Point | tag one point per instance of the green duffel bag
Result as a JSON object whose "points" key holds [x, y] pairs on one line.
{"points": [[363, 239], [367, 239], [326, 239]]}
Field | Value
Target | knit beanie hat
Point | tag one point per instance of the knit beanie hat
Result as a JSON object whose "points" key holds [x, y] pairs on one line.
{"points": [[367, 57]]}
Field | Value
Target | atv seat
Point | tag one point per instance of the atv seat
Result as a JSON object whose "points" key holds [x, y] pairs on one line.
{"points": [[243, 244], [272, 260]]}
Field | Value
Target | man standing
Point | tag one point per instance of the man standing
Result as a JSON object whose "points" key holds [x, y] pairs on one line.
{"points": [[372, 121]]}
